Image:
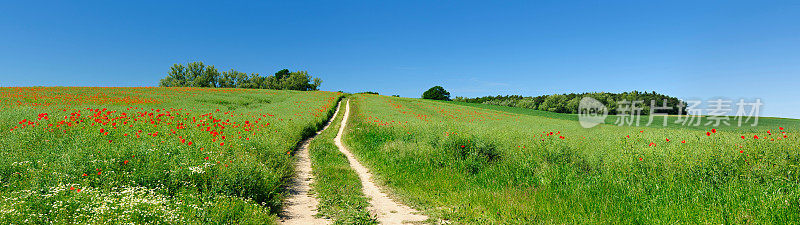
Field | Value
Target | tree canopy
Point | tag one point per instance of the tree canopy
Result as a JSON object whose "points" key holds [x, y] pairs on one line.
{"points": [[197, 74], [436, 93]]}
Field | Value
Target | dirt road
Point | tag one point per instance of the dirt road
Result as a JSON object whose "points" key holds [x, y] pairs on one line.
{"points": [[384, 208]]}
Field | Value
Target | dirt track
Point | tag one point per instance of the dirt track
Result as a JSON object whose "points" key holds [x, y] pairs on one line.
{"points": [[384, 208], [301, 206]]}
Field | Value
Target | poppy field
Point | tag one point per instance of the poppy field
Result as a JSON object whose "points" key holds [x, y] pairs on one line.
{"points": [[474, 165], [150, 155]]}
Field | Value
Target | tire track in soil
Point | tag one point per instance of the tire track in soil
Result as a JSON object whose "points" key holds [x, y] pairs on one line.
{"points": [[301, 205], [384, 208]]}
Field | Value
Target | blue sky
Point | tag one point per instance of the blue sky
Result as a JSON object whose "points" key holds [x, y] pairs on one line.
{"points": [[689, 49]]}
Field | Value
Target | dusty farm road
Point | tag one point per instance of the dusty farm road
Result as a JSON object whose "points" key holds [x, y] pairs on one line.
{"points": [[301, 205], [384, 208]]}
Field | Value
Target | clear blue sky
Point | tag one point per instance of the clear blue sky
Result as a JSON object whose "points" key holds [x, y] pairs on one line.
{"points": [[689, 49]]}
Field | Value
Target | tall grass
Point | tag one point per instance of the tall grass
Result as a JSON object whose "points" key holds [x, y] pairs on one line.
{"points": [[477, 166]]}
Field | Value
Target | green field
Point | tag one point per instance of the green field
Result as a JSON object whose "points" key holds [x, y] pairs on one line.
{"points": [[210, 156], [764, 123], [490, 164], [150, 155]]}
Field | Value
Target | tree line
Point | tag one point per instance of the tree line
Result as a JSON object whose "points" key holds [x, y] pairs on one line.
{"points": [[568, 103], [197, 74]]}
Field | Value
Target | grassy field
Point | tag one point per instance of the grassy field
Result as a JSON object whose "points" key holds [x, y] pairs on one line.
{"points": [[150, 155], [764, 123], [479, 165]]}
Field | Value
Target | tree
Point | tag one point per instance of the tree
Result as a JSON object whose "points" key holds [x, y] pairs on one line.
{"points": [[194, 74], [436, 93], [229, 79], [197, 74]]}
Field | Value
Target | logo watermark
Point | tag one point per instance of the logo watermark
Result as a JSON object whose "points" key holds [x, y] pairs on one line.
{"points": [[714, 112], [591, 112]]}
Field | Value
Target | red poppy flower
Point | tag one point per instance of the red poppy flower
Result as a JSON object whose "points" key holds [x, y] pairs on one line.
{"points": [[640, 159], [741, 151], [684, 141], [84, 175], [742, 137], [755, 136], [667, 139], [708, 133], [462, 146], [126, 162], [781, 128], [79, 190]]}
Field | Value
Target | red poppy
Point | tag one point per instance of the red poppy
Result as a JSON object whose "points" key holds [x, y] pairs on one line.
{"points": [[741, 151], [462, 146], [640, 159], [126, 162], [742, 137], [221, 144], [84, 175], [684, 141], [98, 173], [667, 139], [708, 133], [79, 190], [755, 136]]}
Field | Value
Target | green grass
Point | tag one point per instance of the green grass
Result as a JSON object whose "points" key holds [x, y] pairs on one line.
{"points": [[337, 185], [476, 166], [123, 155], [764, 123]]}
